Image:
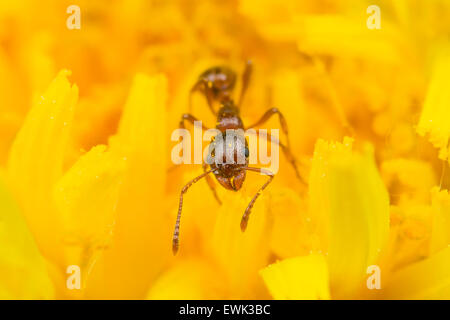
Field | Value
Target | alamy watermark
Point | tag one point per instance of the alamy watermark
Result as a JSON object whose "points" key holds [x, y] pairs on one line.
{"points": [[374, 20], [374, 280], [74, 279], [74, 20]]}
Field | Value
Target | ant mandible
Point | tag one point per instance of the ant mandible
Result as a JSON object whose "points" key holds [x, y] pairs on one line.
{"points": [[217, 84]]}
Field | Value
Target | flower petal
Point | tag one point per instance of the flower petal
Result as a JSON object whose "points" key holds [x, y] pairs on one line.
{"points": [[36, 160], [427, 279], [141, 240], [241, 254], [189, 280], [351, 207], [292, 233], [413, 177], [299, 278], [23, 274], [440, 233], [86, 197], [87, 194], [434, 119]]}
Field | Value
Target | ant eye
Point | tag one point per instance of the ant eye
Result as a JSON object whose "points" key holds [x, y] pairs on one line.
{"points": [[247, 152]]}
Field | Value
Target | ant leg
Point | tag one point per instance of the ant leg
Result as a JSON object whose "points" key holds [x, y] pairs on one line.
{"points": [[266, 116], [286, 148], [245, 80], [211, 183], [246, 215], [206, 91], [176, 233], [189, 117], [195, 87], [290, 157]]}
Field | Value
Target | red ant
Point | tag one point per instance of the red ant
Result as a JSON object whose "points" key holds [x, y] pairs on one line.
{"points": [[217, 84]]}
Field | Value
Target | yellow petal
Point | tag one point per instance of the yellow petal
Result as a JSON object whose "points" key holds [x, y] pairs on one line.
{"points": [[86, 197], [40, 65], [23, 273], [292, 232], [339, 35], [351, 207], [410, 234], [427, 279], [190, 279], [87, 194], [36, 159], [12, 106], [142, 235], [413, 177], [242, 254], [435, 116], [327, 33], [300, 278], [440, 233]]}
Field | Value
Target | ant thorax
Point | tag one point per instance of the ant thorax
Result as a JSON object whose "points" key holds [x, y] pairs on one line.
{"points": [[228, 117], [228, 152]]}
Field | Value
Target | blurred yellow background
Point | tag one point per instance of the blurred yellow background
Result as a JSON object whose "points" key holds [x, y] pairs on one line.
{"points": [[85, 122]]}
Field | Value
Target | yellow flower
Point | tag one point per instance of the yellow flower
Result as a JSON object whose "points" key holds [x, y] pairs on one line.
{"points": [[190, 279], [24, 268], [298, 278], [86, 177], [352, 232], [139, 252], [36, 161], [434, 117], [427, 279], [441, 220]]}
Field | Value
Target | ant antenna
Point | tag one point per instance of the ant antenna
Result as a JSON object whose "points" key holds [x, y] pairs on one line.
{"points": [[248, 210], [176, 234], [245, 80]]}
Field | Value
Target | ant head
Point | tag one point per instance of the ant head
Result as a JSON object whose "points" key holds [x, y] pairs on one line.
{"points": [[218, 81], [228, 157]]}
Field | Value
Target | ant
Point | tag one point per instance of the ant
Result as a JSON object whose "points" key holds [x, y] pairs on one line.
{"points": [[217, 85]]}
